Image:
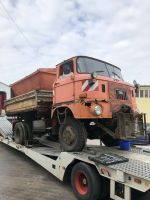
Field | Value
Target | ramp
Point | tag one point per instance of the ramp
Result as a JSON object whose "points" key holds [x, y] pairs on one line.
{"points": [[5, 127]]}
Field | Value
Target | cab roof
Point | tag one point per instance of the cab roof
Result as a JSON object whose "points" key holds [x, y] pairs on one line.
{"points": [[87, 57]]}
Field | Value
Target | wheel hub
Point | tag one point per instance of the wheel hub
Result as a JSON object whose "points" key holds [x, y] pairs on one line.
{"points": [[81, 183], [69, 135], [84, 181]]}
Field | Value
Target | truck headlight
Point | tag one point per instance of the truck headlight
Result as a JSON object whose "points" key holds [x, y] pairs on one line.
{"points": [[97, 110]]}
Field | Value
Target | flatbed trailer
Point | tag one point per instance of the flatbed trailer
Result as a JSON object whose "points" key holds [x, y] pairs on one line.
{"points": [[124, 176]]}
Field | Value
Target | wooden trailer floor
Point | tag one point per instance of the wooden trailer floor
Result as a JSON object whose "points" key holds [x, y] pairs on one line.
{"points": [[21, 178]]}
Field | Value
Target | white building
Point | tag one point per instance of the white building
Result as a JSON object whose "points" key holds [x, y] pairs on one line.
{"points": [[5, 93]]}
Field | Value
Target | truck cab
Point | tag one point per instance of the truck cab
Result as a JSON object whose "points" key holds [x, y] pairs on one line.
{"points": [[91, 97]]}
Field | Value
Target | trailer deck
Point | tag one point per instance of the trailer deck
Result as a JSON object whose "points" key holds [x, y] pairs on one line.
{"points": [[132, 173]]}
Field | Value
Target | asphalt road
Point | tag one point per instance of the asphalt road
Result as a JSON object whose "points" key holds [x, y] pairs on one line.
{"points": [[23, 179]]}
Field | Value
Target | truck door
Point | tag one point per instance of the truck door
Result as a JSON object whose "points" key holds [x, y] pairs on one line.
{"points": [[64, 85]]}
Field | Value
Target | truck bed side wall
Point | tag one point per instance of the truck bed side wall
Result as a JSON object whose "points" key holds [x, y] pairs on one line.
{"points": [[42, 79]]}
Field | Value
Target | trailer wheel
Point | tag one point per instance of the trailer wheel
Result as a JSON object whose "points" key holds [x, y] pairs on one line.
{"points": [[146, 196], [140, 195], [86, 182], [72, 135], [19, 133]]}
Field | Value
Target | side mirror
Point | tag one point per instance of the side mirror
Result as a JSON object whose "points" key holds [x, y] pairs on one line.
{"points": [[137, 86], [93, 75]]}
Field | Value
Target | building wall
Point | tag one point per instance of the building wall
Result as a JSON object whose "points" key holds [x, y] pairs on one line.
{"points": [[143, 102], [6, 95], [5, 88]]}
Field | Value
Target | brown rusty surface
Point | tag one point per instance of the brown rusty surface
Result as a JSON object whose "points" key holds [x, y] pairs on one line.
{"points": [[42, 78], [23, 179], [116, 103]]}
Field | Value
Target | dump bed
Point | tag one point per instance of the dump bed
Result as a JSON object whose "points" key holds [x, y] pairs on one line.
{"points": [[41, 79], [38, 100]]}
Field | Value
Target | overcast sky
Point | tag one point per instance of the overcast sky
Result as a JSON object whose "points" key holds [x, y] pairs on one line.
{"points": [[42, 33]]}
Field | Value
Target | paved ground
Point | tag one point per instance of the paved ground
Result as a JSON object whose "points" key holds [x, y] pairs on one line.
{"points": [[23, 179]]}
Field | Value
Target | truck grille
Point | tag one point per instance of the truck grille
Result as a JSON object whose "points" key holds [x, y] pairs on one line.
{"points": [[120, 94]]}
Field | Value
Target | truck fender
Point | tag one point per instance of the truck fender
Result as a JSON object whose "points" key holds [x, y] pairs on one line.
{"points": [[60, 111]]}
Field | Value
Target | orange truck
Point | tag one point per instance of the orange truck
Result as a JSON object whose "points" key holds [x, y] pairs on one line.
{"points": [[80, 98]]}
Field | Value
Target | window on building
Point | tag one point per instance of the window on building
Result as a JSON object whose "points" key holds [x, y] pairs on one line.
{"points": [[146, 93], [141, 93]]}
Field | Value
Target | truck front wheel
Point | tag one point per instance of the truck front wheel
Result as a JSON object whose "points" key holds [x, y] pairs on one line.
{"points": [[72, 135]]}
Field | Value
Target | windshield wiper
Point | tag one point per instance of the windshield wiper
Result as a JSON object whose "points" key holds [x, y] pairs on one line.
{"points": [[99, 71]]}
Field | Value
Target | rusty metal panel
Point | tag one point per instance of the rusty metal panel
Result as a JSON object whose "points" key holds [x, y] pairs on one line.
{"points": [[42, 79], [116, 102]]}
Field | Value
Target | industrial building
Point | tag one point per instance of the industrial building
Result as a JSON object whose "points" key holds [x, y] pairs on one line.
{"points": [[143, 102], [5, 93]]}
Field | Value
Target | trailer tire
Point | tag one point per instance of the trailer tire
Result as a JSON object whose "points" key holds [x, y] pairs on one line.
{"points": [[140, 195], [86, 182], [19, 133], [146, 196], [72, 135]]}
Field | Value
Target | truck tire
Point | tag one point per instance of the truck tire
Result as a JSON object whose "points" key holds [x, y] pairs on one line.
{"points": [[27, 131], [86, 182], [19, 133], [72, 135]]}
